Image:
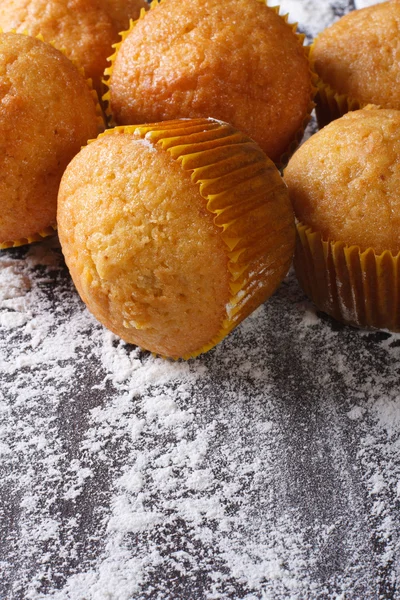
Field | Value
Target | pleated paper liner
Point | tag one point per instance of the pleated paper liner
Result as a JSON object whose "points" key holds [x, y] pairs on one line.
{"points": [[245, 193], [36, 237], [359, 288], [330, 105], [293, 144], [52, 228]]}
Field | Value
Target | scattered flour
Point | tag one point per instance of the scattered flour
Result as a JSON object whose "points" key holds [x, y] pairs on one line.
{"points": [[244, 474]]}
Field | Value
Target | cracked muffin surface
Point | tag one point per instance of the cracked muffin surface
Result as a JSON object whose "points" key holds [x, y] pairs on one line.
{"points": [[238, 61]]}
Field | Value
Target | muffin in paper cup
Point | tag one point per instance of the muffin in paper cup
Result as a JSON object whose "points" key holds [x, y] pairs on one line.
{"points": [[44, 121], [343, 184], [85, 29], [187, 229], [357, 61], [357, 288], [200, 58]]}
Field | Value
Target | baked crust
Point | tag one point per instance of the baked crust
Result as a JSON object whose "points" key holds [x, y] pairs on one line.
{"points": [[47, 112], [344, 181], [84, 29], [174, 232], [202, 58], [359, 55]]}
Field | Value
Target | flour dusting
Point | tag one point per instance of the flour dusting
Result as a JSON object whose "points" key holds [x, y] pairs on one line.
{"points": [[241, 473]]}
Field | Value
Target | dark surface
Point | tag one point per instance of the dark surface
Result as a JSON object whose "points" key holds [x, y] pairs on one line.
{"points": [[299, 418]]}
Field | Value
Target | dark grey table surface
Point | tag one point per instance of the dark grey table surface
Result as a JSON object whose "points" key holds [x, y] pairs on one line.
{"points": [[267, 468]]}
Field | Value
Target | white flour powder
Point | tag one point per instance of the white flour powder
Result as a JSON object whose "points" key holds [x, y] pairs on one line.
{"points": [[134, 477]]}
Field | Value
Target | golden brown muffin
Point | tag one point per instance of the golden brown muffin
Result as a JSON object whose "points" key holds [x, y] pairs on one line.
{"points": [[236, 60], [84, 29], [47, 112], [358, 61], [344, 186], [174, 232]]}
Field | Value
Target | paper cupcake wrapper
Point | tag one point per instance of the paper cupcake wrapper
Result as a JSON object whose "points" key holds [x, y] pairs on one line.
{"points": [[237, 182], [330, 105], [36, 237], [298, 136], [357, 288]]}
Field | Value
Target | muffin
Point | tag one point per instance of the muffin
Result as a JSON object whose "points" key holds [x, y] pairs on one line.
{"points": [[237, 61], [47, 112], [84, 29], [357, 60], [344, 186], [174, 232]]}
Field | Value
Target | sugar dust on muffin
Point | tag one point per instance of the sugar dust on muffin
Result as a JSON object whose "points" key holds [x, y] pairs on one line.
{"points": [[174, 232], [84, 29], [344, 186], [357, 60], [47, 112], [237, 60]]}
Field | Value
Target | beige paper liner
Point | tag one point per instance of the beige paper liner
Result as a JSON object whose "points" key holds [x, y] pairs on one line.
{"points": [[331, 105], [240, 186], [52, 228], [298, 136], [357, 288], [36, 237]]}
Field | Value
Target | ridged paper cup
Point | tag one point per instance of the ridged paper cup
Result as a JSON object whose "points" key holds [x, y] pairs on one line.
{"points": [[247, 205], [297, 136], [36, 237], [331, 105], [358, 288]]}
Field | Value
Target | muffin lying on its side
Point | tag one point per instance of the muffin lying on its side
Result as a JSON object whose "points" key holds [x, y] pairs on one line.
{"points": [[344, 186], [174, 232]]}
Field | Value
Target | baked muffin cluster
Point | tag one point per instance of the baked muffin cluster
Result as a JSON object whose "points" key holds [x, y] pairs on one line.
{"points": [[344, 181], [176, 223]]}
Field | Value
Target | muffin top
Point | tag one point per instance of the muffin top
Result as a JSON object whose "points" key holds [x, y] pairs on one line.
{"points": [[359, 55], [236, 60], [84, 29], [47, 112], [344, 181]]}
